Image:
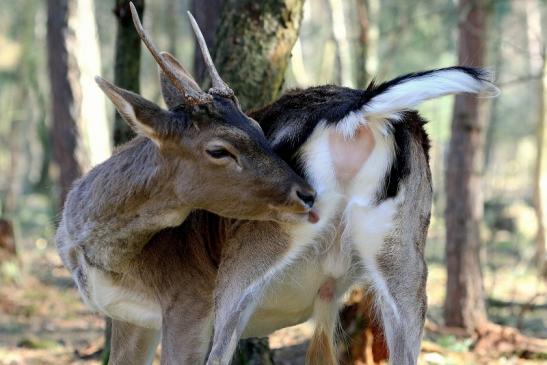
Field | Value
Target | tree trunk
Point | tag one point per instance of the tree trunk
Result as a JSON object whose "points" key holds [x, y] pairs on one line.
{"points": [[79, 130], [361, 54], [464, 305], [207, 16], [253, 47], [64, 94], [340, 38], [7, 241], [252, 50], [541, 178], [538, 66], [127, 61]]}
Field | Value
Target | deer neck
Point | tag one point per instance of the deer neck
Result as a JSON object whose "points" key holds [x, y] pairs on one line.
{"points": [[120, 204]]}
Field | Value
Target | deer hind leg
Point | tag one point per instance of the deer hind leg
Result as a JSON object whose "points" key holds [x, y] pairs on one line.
{"points": [[399, 293], [395, 271], [131, 344], [321, 350]]}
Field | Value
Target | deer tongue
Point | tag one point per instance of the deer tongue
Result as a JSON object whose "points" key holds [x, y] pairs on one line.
{"points": [[313, 216]]}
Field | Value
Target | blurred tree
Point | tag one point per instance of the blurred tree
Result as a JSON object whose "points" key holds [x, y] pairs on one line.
{"points": [[361, 49], [127, 61], [206, 13], [464, 304], [538, 67], [7, 241], [253, 46], [252, 49], [78, 110], [339, 34], [64, 96], [171, 20]]}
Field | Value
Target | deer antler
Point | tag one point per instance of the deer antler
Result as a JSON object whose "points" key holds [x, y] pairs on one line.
{"points": [[187, 87], [219, 86]]}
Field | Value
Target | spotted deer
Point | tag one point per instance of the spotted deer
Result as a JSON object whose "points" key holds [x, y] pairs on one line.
{"points": [[202, 153], [365, 152]]}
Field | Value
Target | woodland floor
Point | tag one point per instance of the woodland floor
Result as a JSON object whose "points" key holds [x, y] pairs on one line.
{"points": [[42, 320]]}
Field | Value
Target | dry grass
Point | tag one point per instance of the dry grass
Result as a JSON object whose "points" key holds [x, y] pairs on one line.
{"points": [[42, 320]]}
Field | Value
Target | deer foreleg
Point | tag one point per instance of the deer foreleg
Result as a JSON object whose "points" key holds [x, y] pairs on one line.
{"points": [[131, 344], [249, 262], [185, 338]]}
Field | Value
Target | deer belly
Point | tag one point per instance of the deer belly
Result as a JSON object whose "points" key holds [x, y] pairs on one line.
{"points": [[288, 300], [120, 302]]}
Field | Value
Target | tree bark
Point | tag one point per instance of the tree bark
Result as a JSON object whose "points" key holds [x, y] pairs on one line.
{"points": [[464, 305], [252, 50], [538, 66], [361, 54], [127, 60], [7, 241], [207, 16], [253, 47], [64, 94], [340, 38], [80, 133], [540, 198]]}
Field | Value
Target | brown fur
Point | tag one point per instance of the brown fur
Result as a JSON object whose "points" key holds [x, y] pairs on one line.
{"points": [[157, 179]]}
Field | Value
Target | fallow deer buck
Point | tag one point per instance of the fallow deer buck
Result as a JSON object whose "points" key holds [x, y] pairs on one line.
{"points": [[366, 154], [202, 153], [211, 280]]}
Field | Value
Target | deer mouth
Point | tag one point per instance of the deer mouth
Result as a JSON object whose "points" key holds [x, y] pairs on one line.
{"points": [[313, 216], [285, 214]]}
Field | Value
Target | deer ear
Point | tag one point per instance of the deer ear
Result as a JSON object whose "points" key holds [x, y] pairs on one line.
{"points": [[145, 117], [171, 95]]}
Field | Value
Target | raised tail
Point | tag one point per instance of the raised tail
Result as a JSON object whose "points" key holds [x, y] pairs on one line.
{"points": [[387, 101], [406, 92]]}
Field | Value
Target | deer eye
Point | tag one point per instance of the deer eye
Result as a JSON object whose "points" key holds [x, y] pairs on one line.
{"points": [[219, 153]]}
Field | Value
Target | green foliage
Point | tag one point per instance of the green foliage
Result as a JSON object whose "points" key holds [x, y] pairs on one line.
{"points": [[39, 343], [452, 343]]}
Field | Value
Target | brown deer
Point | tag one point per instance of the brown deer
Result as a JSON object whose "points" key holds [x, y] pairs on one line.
{"points": [[202, 153], [213, 280]]}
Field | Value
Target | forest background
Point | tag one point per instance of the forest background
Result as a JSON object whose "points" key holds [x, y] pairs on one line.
{"points": [[345, 42]]}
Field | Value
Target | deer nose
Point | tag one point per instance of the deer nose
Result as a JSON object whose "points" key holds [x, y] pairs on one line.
{"points": [[307, 196]]}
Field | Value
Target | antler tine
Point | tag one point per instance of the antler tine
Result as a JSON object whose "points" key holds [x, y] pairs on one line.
{"points": [[190, 93], [219, 86]]}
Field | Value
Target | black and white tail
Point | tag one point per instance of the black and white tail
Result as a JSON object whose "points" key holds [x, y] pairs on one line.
{"points": [[408, 91], [388, 100]]}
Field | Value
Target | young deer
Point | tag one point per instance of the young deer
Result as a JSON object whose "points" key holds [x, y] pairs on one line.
{"points": [[202, 153], [366, 154]]}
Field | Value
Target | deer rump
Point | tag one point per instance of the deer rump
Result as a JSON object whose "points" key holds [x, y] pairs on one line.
{"points": [[366, 154]]}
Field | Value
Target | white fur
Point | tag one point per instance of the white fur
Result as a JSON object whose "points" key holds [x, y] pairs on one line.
{"points": [[407, 95], [120, 303], [410, 93]]}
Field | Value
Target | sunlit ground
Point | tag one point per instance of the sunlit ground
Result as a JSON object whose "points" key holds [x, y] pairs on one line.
{"points": [[42, 320]]}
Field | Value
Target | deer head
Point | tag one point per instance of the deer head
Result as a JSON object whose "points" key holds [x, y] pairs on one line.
{"points": [[215, 157]]}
